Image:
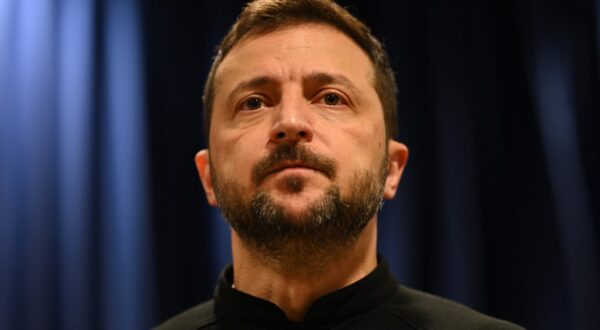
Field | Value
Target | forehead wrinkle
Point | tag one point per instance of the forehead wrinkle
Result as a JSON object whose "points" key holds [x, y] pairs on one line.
{"points": [[266, 80]]}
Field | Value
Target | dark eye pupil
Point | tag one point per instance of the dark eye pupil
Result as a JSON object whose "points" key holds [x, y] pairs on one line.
{"points": [[254, 103], [332, 99]]}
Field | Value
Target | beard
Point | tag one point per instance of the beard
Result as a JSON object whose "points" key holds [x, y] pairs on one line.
{"points": [[327, 228]]}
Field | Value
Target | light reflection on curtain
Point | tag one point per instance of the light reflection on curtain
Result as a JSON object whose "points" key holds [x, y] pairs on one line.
{"points": [[73, 201], [553, 85], [75, 115]]}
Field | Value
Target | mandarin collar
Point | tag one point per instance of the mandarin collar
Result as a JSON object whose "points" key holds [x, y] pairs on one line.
{"points": [[329, 310]]}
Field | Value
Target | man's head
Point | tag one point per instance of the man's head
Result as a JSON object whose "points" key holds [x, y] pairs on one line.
{"points": [[264, 16], [300, 145]]}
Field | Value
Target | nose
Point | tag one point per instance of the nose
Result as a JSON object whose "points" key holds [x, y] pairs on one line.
{"points": [[291, 122]]}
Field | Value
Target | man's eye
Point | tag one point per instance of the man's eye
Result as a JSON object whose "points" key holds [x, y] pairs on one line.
{"points": [[254, 103], [332, 99]]}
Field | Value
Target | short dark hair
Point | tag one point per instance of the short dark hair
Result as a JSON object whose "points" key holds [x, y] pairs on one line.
{"points": [[264, 16]]}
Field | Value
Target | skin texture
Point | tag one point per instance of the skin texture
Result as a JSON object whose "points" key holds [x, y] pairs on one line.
{"points": [[277, 88]]}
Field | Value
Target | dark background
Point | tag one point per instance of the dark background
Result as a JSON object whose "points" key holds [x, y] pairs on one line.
{"points": [[477, 218], [103, 222]]}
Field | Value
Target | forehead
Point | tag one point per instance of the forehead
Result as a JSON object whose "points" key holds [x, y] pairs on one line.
{"points": [[293, 51]]}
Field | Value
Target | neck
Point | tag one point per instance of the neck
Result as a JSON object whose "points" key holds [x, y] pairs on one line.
{"points": [[295, 291]]}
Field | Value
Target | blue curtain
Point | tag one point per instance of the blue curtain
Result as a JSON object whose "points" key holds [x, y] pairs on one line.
{"points": [[74, 225]]}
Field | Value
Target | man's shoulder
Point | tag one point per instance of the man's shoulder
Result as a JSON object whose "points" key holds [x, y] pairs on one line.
{"points": [[201, 316], [426, 311]]}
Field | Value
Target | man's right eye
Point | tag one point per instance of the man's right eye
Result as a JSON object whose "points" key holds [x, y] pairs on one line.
{"points": [[253, 103]]}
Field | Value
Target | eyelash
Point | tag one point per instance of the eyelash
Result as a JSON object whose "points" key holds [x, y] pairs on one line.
{"points": [[342, 99], [243, 104]]}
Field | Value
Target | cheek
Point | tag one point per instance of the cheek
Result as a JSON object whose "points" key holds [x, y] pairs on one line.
{"points": [[360, 150], [364, 142], [236, 155]]}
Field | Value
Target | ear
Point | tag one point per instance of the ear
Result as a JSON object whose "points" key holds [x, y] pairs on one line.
{"points": [[203, 167], [397, 157]]}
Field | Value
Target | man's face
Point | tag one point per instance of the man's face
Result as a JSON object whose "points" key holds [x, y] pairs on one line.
{"points": [[295, 113]]}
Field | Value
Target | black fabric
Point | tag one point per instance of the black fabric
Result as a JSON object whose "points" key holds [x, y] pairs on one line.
{"points": [[375, 302]]}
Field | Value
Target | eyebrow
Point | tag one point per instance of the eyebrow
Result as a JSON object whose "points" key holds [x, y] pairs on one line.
{"points": [[323, 78], [256, 82]]}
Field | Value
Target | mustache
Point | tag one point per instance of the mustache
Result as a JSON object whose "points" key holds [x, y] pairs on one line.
{"points": [[295, 153]]}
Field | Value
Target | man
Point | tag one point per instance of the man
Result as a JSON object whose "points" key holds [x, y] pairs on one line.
{"points": [[300, 112]]}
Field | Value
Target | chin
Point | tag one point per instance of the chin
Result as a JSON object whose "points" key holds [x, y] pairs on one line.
{"points": [[298, 200], [295, 210]]}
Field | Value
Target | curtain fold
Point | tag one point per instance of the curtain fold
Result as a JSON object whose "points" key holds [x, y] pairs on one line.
{"points": [[74, 221], [554, 79]]}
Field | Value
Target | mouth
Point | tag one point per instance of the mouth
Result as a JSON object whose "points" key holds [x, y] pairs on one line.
{"points": [[290, 165]]}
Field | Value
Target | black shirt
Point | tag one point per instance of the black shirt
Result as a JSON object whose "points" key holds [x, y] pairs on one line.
{"points": [[374, 302]]}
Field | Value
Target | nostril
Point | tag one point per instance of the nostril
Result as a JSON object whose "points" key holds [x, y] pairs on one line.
{"points": [[291, 135]]}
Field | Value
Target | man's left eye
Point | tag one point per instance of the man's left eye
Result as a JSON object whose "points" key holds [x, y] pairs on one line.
{"points": [[332, 99], [254, 103]]}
